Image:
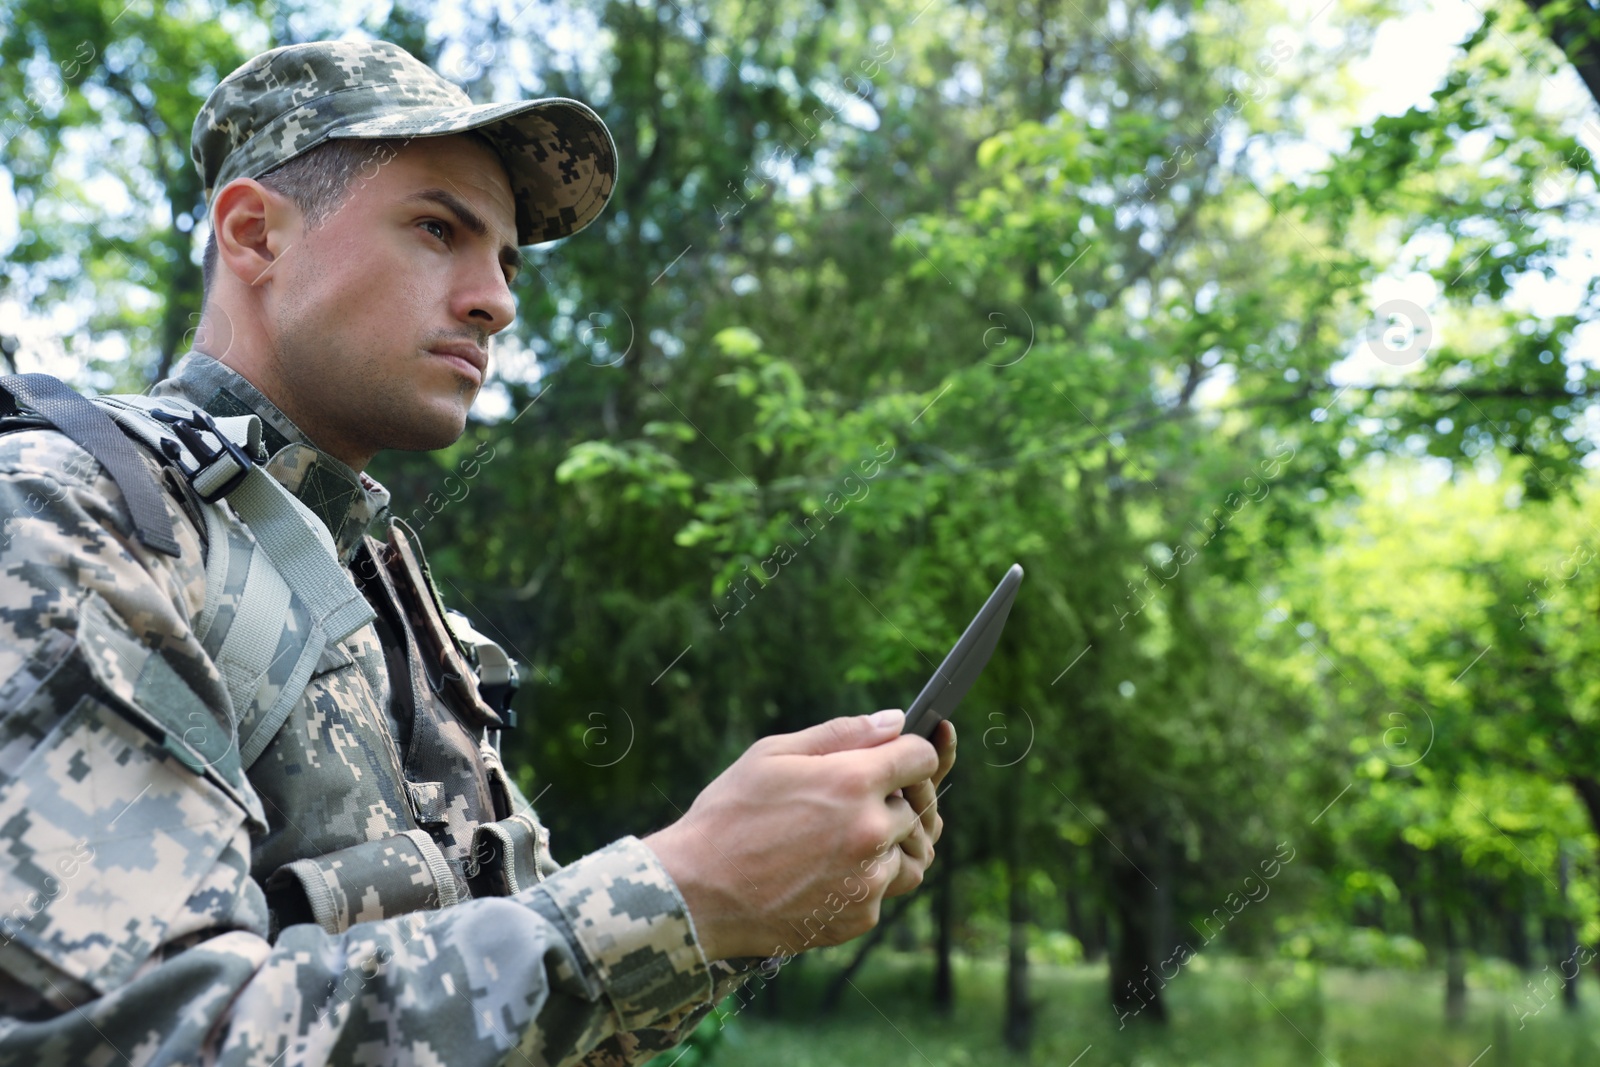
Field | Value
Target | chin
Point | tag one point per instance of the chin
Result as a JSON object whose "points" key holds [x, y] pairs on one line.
{"points": [[431, 434]]}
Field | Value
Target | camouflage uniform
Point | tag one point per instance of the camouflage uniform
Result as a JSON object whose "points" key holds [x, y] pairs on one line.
{"points": [[354, 879]]}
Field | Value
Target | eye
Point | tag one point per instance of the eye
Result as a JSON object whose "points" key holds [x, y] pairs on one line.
{"points": [[443, 228]]}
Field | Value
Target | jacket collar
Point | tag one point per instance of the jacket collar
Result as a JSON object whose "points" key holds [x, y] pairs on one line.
{"points": [[347, 501]]}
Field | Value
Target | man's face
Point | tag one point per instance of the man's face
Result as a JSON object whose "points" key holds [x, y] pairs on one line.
{"points": [[381, 316]]}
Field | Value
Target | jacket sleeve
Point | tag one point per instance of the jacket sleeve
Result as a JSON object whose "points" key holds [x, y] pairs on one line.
{"points": [[667, 1031], [638, 1045], [130, 928]]}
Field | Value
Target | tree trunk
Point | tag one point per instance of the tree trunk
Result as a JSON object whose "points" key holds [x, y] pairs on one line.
{"points": [[1588, 790], [1018, 1027], [1455, 973], [944, 986], [1084, 921], [1519, 948], [1571, 969], [1477, 916], [1019, 1009], [1136, 905], [1419, 917]]}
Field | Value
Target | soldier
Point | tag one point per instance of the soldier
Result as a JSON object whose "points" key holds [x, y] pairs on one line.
{"points": [[251, 803]]}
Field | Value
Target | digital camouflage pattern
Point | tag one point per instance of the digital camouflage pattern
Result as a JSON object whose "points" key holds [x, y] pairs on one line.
{"points": [[372, 888], [559, 155]]}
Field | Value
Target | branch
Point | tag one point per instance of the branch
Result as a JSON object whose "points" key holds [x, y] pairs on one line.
{"points": [[148, 119], [1504, 392], [830, 999], [1572, 32]]}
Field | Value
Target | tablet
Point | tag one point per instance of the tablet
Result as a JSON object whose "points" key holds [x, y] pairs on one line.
{"points": [[965, 661]]}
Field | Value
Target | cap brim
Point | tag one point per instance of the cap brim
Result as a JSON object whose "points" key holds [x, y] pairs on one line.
{"points": [[557, 152]]}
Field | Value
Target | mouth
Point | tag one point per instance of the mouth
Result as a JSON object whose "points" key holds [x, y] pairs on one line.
{"points": [[468, 358]]}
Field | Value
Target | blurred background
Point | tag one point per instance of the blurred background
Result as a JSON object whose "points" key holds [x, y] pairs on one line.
{"points": [[1258, 332]]}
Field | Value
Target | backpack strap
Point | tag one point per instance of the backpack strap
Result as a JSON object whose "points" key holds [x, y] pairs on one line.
{"points": [[93, 431], [295, 576]]}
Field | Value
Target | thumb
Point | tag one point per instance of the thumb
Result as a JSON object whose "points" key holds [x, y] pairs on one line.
{"points": [[841, 734]]}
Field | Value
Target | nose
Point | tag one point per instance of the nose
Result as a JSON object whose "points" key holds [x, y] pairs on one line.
{"points": [[483, 299]]}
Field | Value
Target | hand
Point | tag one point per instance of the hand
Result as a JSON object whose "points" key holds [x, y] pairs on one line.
{"points": [[795, 845], [923, 798]]}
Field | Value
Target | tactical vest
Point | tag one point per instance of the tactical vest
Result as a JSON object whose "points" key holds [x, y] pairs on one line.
{"points": [[367, 823]]}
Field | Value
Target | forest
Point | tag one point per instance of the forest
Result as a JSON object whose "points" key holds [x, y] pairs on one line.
{"points": [[1258, 332]]}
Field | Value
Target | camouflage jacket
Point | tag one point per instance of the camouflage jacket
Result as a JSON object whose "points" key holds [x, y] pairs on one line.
{"points": [[371, 889]]}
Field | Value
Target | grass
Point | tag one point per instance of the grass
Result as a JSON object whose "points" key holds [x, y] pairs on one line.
{"points": [[1231, 1013]]}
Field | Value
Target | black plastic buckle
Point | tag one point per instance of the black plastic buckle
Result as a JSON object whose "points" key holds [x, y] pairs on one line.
{"points": [[188, 428], [499, 697]]}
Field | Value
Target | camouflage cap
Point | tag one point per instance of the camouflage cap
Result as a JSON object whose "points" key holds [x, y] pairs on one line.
{"points": [[558, 153]]}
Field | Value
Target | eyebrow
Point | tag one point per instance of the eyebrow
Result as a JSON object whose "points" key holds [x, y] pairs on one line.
{"points": [[510, 255]]}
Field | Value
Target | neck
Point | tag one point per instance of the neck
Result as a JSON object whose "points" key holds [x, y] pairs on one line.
{"points": [[223, 334]]}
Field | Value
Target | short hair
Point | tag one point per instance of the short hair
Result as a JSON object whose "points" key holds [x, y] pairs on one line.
{"points": [[321, 179]]}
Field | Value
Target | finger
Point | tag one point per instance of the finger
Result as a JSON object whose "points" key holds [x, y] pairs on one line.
{"points": [[903, 822], [902, 815], [924, 801], [944, 739], [906, 760], [918, 846], [894, 874], [839, 734], [907, 876]]}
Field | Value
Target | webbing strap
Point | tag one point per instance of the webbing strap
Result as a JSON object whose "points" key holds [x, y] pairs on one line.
{"points": [[94, 431], [252, 641], [219, 557], [302, 552]]}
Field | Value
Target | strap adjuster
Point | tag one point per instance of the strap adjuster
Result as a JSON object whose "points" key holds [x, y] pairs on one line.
{"points": [[218, 471]]}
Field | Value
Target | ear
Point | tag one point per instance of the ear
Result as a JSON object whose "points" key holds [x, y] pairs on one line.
{"points": [[254, 226]]}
